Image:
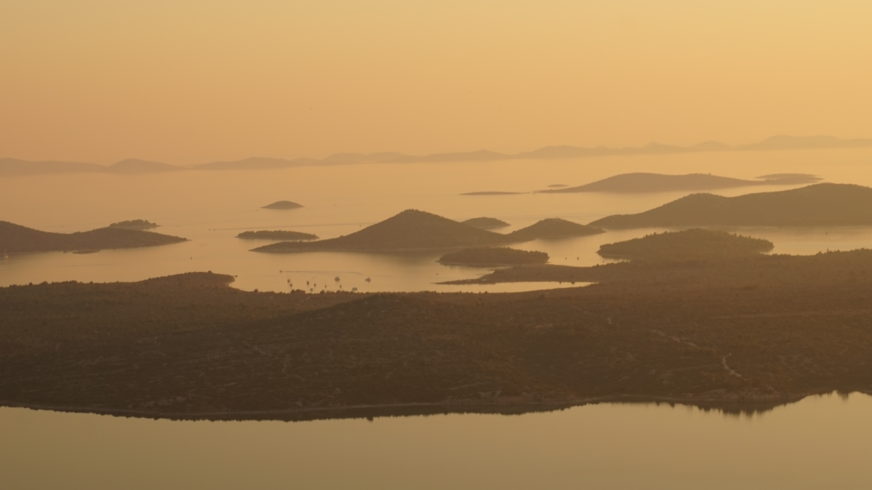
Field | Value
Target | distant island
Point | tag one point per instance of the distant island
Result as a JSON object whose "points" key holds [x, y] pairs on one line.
{"points": [[134, 224], [742, 334], [283, 205], [415, 231], [276, 235], [410, 230], [553, 228], [486, 223], [641, 182], [814, 205], [492, 257], [694, 244], [13, 166], [19, 239]]}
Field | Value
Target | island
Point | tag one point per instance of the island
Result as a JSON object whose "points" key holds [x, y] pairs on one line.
{"points": [[693, 244], [414, 230], [134, 224], [814, 205], [16, 239], [492, 257], [641, 182], [283, 235], [283, 205], [553, 228], [486, 223]]}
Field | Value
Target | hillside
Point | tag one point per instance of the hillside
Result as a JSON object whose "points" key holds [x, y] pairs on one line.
{"points": [[814, 205], [692, 244], [552, 228], [741, 335], [651, 182], [19, 239], [486, 223], [408, 231]]}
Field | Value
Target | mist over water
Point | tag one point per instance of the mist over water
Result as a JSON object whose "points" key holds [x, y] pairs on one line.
{"points": [[211, 207]]}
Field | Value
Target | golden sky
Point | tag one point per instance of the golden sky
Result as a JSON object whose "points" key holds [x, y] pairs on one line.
{"points": [[186, 81]]}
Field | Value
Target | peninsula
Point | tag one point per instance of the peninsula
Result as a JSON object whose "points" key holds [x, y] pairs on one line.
{"points": [[20, 239], [739, 334], [814, 205], [642, 182]]}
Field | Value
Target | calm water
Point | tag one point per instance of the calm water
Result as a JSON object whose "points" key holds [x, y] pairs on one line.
{"points": [[819, 443], [210, 208]]}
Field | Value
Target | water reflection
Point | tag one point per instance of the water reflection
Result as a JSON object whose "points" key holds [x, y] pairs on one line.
{"points": [[820, 442], [337, 202]]}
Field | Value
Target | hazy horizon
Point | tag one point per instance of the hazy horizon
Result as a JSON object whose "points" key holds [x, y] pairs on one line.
{"points": [[199, 81]]}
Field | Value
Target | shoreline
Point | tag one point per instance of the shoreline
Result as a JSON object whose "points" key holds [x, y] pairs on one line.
{"points": [[729, 405]]}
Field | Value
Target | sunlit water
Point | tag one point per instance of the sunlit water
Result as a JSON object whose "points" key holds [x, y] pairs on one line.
{"points": [[210, 208], [819, 443]]}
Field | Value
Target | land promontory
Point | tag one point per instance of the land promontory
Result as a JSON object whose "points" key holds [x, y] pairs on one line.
{"points": [[814, 205], [641, 182], [740, 334], [277, 235], [693, 244], [20, 239]]}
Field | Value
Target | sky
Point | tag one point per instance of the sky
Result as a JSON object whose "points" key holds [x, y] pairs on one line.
{"points": [[188, 81]]}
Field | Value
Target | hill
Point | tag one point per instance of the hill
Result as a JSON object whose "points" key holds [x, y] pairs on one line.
{"points": [[283, 205], [814, 205], [692, 244], [486, 223], [641, 182], [410, 230], [652, 182], [276, 235], [493, 257], [552, 228], [20, 239]]}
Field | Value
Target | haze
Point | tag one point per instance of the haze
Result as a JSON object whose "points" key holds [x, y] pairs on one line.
{"points": [[199, 80]]}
